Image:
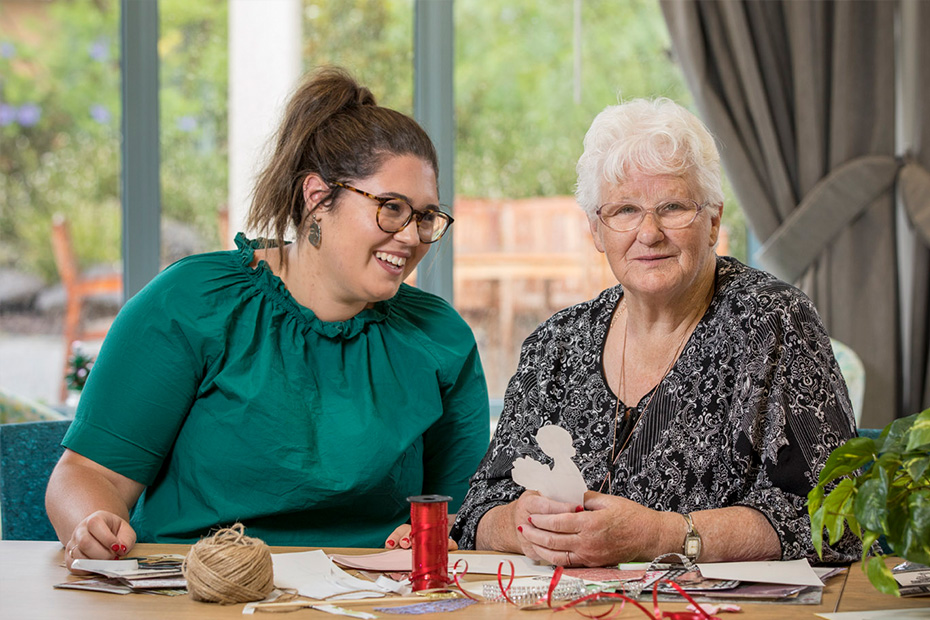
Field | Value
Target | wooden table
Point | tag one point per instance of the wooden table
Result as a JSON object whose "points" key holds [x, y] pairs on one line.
{"points": [[28, 570]]}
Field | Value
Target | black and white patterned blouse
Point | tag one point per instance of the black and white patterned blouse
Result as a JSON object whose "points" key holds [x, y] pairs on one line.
{"points": [[746, 416]]}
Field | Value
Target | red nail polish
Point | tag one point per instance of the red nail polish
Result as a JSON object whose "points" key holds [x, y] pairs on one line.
{"points": [[115, 557], [530, 519], [391, 543], [579, 509], [405, 540], [115, 547], [520, 528], [122, 549]]}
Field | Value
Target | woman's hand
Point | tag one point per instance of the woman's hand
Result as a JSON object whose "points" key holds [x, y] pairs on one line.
{"points": [[610, 530], [89, 504], [502, 528], [101, 536], [400, 539]]}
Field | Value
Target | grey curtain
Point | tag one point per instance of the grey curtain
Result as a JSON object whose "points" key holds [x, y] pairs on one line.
{"points": [[915, 191], [801, 96]]}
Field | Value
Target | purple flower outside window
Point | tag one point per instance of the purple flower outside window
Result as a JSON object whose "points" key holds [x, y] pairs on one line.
{"points": [[100, 50], [7, 49], [187, 123], [7, 114], [100, 113], [29, 114]]}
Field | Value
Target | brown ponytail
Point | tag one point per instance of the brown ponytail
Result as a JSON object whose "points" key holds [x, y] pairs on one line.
{"points": [[332, 127]]}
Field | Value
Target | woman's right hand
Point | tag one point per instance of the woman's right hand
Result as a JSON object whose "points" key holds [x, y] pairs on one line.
{"points": [[101, 536], [89, 504]]}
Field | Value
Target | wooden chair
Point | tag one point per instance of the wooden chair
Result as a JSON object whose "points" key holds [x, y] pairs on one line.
{"points": [[528, 256], [78, 288]]}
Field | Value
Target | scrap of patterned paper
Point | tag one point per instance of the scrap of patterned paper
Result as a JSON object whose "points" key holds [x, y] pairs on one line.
{"points": [[452, 604]]}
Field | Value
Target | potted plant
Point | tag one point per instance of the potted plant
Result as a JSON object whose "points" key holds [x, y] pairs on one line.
{"points": [[79, 366], [884, 491]]}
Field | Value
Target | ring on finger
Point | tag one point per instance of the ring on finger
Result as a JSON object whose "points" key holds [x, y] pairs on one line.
{"points": [[568, 558], [71, 552]]}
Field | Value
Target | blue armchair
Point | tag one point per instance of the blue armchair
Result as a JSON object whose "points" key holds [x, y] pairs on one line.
{"points": [[28, 453]]}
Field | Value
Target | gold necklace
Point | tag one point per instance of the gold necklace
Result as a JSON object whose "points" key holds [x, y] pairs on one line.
{"points": [[614, 454]]}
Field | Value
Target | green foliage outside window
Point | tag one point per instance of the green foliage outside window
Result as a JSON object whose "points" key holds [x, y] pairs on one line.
{"points": [[519, 127], [60, 125]]}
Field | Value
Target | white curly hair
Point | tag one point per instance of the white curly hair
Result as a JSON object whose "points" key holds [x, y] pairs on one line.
{"points": [[647, 136]]}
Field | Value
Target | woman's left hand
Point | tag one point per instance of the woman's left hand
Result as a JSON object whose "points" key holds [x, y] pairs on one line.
{"points": [[610, 530], [400, 539]]}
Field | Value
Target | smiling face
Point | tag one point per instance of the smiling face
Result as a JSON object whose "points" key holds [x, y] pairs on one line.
{"points": [[658, 264], [357, 263]]}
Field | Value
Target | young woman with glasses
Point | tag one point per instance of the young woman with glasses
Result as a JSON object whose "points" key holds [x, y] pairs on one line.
{"points": [[294, 384]]}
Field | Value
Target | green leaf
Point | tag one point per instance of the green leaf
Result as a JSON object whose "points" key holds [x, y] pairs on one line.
{"points": [[838, 505], [898, 432], [868, 539], [917, 466], [916, 536], [847, 458], [881, 576], [920, 432], [871, 504], [817, 530], [814, 499]]}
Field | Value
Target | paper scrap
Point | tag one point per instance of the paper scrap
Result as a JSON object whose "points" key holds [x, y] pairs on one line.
{"points": [[563, 483], [314, 575], [429, 607], [105, 567], [398, 560], [342, 611], [790, 572], [918, 613]]}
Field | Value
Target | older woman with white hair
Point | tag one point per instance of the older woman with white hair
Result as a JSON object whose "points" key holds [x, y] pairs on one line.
{"points": [[702, 395]]}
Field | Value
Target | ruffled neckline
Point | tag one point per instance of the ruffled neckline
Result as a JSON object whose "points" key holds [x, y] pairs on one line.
{"points": [[272, 285]]}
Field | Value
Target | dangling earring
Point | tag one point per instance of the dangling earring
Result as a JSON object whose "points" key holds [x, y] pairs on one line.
{"points": [[315, 236]]}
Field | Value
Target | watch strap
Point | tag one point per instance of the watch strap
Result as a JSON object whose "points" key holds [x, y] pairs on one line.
{"points": [[691, 548]]}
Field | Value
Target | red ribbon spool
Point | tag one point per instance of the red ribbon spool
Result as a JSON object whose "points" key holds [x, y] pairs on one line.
{"points": [[429, 523]]}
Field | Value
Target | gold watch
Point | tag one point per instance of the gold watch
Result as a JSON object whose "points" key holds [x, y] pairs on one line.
{"points": [[691, 548]]}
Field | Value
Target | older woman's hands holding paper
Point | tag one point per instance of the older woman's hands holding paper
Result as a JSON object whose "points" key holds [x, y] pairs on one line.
{"points": [[610, 530], [503, 527]]}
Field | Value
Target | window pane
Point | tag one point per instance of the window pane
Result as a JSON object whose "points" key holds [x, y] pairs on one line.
{"points": [[59, 155], [528, 83], [193, 83], [372, 39]]}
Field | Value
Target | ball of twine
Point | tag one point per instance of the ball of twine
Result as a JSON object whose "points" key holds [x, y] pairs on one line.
{"points": [[229, 567]]}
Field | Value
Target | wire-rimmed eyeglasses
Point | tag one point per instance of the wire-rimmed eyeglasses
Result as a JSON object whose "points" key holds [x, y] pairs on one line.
{"points": [[394, 214], [670, 213]]}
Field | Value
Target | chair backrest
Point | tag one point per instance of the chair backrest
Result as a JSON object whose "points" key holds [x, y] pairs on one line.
{"points": [[28, 453], [63, 251], [853, 372]]}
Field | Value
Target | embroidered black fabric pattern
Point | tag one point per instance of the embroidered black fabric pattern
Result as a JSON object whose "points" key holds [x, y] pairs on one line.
{"points": [[746, 416]]}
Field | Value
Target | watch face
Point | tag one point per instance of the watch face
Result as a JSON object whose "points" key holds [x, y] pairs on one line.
{"points": [[692, 546]]}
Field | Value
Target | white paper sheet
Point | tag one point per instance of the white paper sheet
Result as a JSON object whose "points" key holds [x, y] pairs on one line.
{"points": [[314, 575], [918, 613], [791, 572]]}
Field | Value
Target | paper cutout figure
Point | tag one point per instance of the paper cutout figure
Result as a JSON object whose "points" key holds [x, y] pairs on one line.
{"points": [[563, 483]]}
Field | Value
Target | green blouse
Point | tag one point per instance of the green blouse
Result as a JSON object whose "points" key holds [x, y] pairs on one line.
{"points": [[232, 402]]}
